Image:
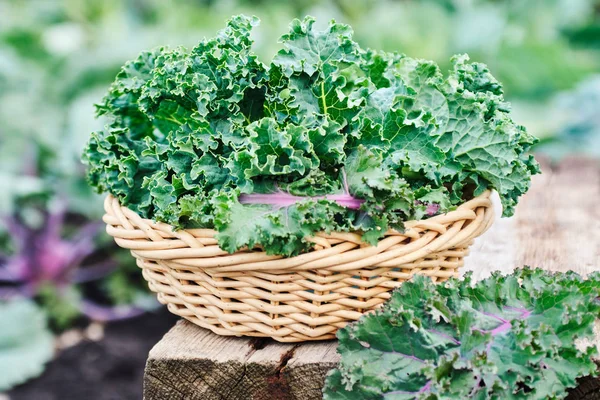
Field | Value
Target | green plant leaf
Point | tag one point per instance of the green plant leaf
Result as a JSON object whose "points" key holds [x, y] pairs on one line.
{"points": [[503, 337], [26, 343], [61, 304]]}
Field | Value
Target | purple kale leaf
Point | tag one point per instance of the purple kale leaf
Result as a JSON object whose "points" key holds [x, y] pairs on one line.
{"points": [[504, 337]]}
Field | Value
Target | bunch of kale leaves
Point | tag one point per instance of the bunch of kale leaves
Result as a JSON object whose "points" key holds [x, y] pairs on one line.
{"points": [[327, 137]]}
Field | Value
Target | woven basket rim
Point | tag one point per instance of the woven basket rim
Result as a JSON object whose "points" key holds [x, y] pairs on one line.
{"points": [[457, 213], [199, 247]]}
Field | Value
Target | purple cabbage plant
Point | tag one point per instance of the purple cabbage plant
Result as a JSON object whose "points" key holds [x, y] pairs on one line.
{"points": [[52, 254], [53, 260]]}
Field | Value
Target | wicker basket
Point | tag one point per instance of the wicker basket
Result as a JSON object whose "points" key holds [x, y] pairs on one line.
{"points": [[307, 297]]}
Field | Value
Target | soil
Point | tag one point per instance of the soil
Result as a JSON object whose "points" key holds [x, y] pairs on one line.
{"points": [[110, 369]]}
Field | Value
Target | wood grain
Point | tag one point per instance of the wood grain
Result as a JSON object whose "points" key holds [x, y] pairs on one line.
{"points": [[193, 363], [556, 227]]}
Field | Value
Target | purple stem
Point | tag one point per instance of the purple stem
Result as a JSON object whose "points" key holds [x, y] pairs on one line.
{"points": [[93, 272], [450, 338], [475, 387], [506, 324], [495, 316], [282, 199], [84, 245], [7, 293], [60, 265], [17, 231], [425, 388], [345, 182], [414, 358], [96, 312], [8, 272], [55, 221], [503, 327], [345, 200], [432, 209], [7, 276], [525, 313], [16, 267]]}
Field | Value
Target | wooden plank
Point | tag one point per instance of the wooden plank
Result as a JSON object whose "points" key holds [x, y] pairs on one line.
{"points": [[556, 227], [559, 225], [309, 366], [190, 360], [193, 363]]}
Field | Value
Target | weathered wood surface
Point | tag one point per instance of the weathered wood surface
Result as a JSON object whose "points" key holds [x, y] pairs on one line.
{"points": [[556, 227], [193, 363]]}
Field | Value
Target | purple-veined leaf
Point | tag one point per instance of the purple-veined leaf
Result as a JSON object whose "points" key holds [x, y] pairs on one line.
{"points": [[503, 337]]}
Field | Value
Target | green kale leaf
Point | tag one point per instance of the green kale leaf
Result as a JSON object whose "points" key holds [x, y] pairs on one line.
{"points": [[203, 137], [506, 337]]}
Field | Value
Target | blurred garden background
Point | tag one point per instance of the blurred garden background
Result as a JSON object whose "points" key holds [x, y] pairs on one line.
{"points": [[64, 285]]}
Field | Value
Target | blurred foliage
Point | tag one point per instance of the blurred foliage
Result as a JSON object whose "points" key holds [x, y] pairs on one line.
{"points": [[55, 256], [579, 128], [57, 58], [26, 343], [60, 305]]}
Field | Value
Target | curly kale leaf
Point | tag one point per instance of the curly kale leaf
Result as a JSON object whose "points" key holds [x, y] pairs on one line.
{"points": [[386, 137], [507, 337]]}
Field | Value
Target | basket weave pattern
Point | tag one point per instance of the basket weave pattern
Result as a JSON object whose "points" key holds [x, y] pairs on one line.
{"points": [[307, 297]]}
